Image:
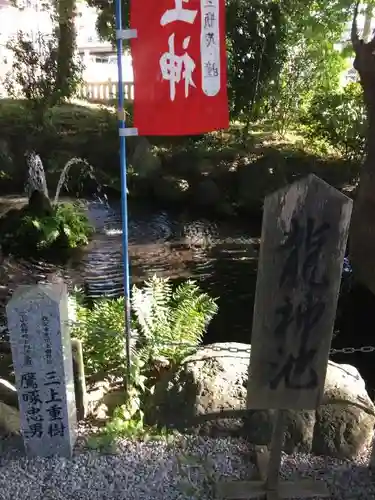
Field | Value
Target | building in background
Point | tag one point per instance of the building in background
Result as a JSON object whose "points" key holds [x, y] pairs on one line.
{"points": [[98, 57]]}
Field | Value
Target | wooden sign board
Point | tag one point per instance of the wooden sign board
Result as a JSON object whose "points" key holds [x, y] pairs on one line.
{"points": [[304, 235]]}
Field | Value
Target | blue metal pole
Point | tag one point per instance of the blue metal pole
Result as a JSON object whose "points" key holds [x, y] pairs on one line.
{"points": [[124, 191]]}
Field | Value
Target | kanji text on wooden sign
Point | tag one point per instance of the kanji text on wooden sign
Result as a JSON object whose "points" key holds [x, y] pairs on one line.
{"points": [[304, 236]]}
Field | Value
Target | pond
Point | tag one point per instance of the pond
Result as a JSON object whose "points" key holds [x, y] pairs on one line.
{"points": [[221, 256]]}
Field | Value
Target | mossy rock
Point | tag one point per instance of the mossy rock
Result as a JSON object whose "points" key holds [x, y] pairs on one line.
{"points": [[39, 205], [11, 220]]}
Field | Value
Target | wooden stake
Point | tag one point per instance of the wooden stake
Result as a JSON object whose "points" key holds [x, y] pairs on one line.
{"points": [[269, 487], [277, 441]]}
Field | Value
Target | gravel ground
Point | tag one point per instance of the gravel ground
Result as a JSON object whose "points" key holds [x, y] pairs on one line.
{"points": [[153, 470]]}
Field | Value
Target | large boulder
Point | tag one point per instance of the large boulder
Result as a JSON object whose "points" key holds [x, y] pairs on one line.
{"points": [[341, 423], [39, 204], [10, 421], [215, 379]]}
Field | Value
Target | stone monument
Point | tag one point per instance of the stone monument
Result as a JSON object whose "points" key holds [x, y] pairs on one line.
{"points": [[42, 358]]}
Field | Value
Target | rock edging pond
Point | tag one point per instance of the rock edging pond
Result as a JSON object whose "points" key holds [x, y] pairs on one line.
{"points": [[215, 379]]}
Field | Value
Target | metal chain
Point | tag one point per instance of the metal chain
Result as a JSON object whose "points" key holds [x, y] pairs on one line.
{"points": [[232, 349], [351, 350]]}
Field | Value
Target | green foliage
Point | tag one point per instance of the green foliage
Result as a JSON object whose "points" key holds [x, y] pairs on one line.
{"points": [[130, 426], [73, 223], [35, 73], [25, 233], [68, 131], [166, 323], [311, 65], [171, 321], [256, 49], [127, 422], [45, 69], [312, 61], [317, 19], [101, 329], [161, 316], [339, 118]]}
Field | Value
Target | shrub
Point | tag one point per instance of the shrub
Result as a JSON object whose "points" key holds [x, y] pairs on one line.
{"points": [[35, 73], [339, 118], [69, 131], [166, 323], [57, 231]]}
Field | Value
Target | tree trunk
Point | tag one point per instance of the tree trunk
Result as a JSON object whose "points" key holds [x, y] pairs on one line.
{"points": [[362, 232], [66, 33]]}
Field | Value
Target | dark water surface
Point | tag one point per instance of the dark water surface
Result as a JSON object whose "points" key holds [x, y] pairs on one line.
{"points": [[221, 256]]}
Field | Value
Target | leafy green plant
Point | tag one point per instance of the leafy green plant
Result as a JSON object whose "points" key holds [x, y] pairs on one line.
{"points": [[74, 224], [38, 71], [125, 424], [171, 322], [166, 323], [65, 228], [67, 223], [101, 329], [312, 64], [340, 119]]}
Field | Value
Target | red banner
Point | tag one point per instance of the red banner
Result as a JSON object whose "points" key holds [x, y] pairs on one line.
{"points": [[180, 68]]}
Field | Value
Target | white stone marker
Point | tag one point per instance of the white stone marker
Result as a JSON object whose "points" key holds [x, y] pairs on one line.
{"points": [[42, 358]]}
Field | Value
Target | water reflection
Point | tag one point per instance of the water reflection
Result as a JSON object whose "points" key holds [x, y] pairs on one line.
{"points": [[220, 256]]}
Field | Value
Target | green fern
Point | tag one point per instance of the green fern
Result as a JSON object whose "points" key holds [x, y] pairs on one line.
{"points": [[101, 329], [165, 323], [150, 306], [67, 224], [171, 323]]}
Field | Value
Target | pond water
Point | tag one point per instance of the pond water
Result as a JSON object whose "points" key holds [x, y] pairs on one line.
{"points": [[221, 256]]}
